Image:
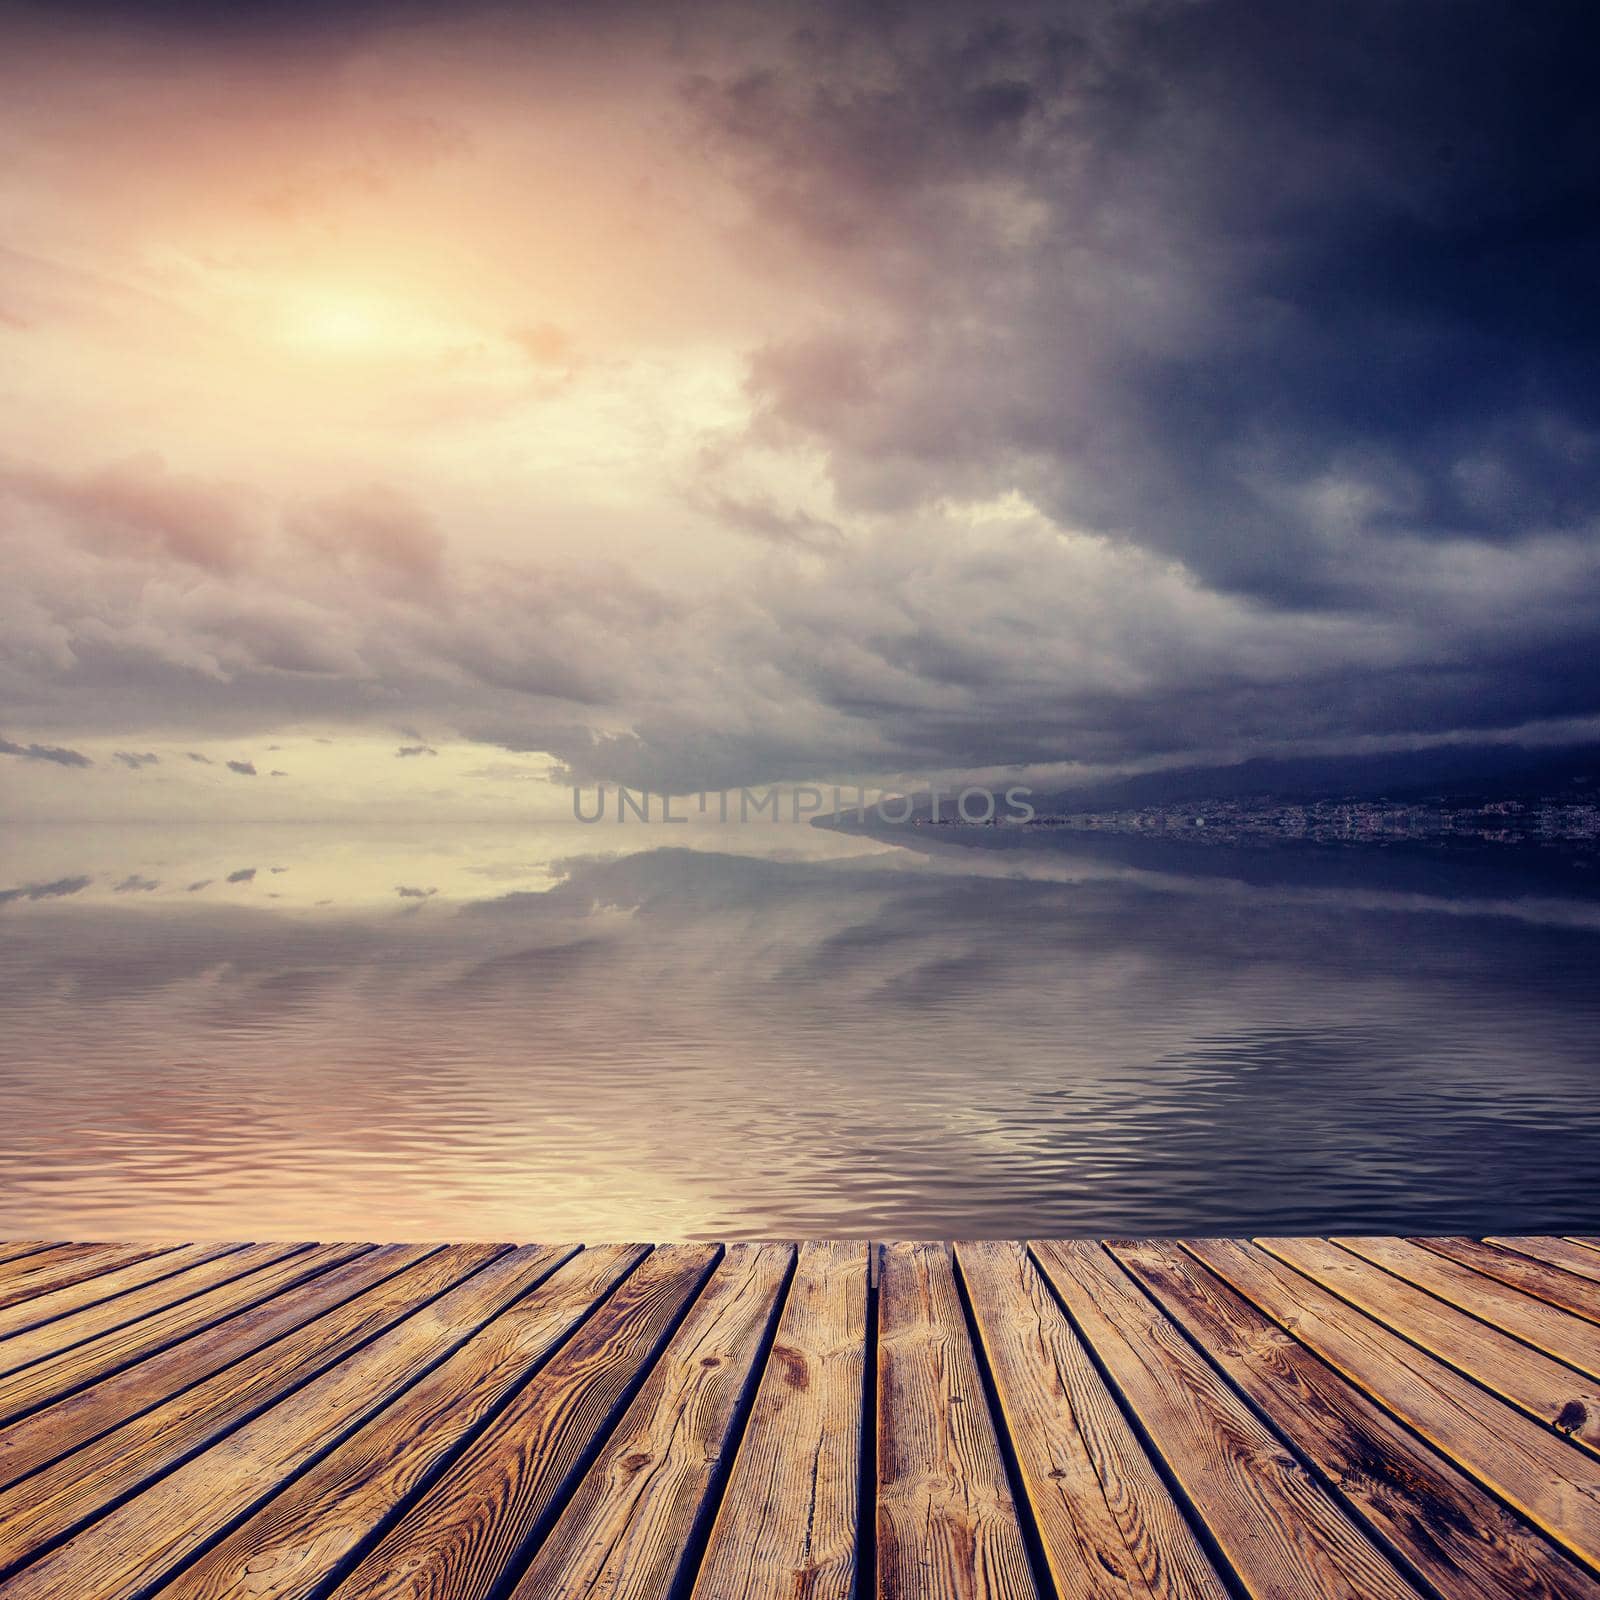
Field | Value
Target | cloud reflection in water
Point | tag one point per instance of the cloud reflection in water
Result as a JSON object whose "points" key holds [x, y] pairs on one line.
{"points": [[705, 1038]]}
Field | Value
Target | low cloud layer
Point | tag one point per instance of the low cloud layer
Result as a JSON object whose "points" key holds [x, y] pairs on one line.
{"points": [[54, 890], [56, 754]]}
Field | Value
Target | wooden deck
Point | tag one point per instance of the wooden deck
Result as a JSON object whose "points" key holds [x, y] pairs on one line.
{"points": [[1367, 1417]]}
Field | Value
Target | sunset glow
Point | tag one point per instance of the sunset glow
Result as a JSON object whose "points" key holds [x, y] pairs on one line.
{"points": [[348, 323], [651, 393]]}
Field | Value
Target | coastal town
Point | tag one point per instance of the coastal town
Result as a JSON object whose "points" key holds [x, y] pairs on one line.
{"points": [[1536, 821]]}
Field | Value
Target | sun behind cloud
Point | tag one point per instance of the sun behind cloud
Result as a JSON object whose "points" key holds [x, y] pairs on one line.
{"points": [[351, 322]]}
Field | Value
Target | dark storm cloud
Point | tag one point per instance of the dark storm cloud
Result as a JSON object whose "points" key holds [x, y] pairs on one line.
{"points": [[45, 752], [1254, 281], [243, 875], [246, 769], [1295, 295], [1276, 321]]}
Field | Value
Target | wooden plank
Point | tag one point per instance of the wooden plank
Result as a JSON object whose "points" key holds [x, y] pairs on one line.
{"points": [[15, 1249], [290, 1548], [788, 1519], [1543, 1388], [53, 1339], [631, 1523], [132, 1547], [1563, 1253], [1277, 1526], [59, 1269], [118, 1285], [116, 1432], [55, 1377], [1567, 1338], [947, 1527], [72, 1488], [24, 1258], [1528, 1466], [458, 1541], [1108, 1524], [1459, 1537], [1552, 1284], [220, 1420]]}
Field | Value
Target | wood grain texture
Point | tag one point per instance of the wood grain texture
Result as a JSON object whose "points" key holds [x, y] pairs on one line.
{"points": [[15, 1249], [788, 1519], [50, 1372], [628, 1530], [130, 1548], [1554, 1285], [68, 1399], [947, 1527], [1577, 1259], [1554, 1486], [23, 1258], [1567, 1400], [1277, 1526], [136, 1448], [115, 1285], [1459, 1537], [298, 1538], [1567, 1338], [458, 1541], [66, 1265], [53, 1338], [1358, 1419], [1108, 1524]]}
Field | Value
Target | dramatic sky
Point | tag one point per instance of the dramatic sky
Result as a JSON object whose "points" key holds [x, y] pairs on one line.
{"points": [[695, 395]]}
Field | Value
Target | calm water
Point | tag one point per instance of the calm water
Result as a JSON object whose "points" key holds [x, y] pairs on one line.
{"points": [[675, 1032]]}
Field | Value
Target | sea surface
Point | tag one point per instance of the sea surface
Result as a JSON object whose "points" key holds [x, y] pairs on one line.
{"points": [[654, 1032]]}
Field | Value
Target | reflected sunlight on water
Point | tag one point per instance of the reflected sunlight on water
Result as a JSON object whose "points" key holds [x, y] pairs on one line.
{"points": [[748, 1032]]}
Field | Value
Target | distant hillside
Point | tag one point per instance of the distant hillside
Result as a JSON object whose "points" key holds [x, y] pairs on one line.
{"points": [[1486, 771], [1459, 773]]}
